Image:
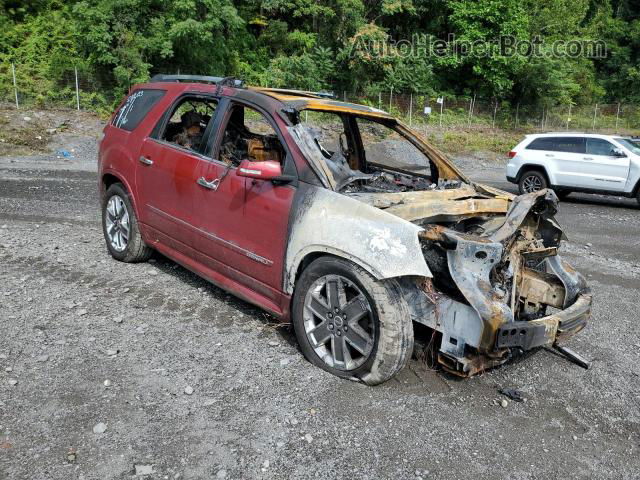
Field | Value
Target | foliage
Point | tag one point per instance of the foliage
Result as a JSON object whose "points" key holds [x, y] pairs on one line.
{"points": [[318, 45]]}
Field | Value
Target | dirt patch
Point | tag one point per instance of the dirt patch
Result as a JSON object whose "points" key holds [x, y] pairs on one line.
{"points": [[28, 132]]}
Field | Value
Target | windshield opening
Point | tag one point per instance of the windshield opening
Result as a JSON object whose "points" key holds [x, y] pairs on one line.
{"points": [[356, 154], [629, 144]]}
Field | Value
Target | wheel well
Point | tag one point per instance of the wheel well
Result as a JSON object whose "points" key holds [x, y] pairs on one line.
{"points": [[636, 189], [108, 180], [306, 261], [537, 168]]}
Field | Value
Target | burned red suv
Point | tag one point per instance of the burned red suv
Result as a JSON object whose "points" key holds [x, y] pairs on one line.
{"points": [[337, 218]]}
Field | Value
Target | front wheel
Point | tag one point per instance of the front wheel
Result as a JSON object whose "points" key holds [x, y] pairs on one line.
{"points": [[350, 324]]}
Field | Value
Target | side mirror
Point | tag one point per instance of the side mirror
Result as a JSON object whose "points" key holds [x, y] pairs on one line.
{"points": [[617, 152], [268, 170]]}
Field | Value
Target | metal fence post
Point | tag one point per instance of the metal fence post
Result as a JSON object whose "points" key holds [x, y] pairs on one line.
{"points": [[617, 117], [390, 98], [569, 117], [15, 84], [495, 111], [77, 90], [379, 100], [411, 110], [595, 113], [441, 107], [517, 114]]}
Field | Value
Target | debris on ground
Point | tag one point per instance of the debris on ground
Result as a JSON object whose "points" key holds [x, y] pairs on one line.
{"points": [[100, 428], [142, 470], [64, 154], [513, 394]]}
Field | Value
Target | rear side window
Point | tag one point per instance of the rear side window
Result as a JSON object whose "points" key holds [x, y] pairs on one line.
{"points": [[558, 144], [597, 146], [135, 108]]}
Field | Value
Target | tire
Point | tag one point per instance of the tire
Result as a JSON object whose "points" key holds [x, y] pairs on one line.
{"points": [[532, 181], [371, 323], [126, 245], [638, 197]]}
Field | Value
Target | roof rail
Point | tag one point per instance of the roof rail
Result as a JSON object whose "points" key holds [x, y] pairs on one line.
{"points": [[301, 93], [222, 81]]}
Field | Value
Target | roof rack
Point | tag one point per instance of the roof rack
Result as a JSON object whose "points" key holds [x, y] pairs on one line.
{"points": [[221, 81]]}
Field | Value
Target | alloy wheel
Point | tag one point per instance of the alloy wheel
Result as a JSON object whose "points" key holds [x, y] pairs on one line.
{"points": [[338, 322], [532, 184], [118, 223]]}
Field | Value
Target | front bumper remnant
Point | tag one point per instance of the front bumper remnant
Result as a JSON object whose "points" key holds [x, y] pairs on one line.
{"points": [[548, 330]]}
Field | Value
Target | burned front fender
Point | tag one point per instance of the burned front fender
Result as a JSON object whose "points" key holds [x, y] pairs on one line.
{"points": [[326, 222]]}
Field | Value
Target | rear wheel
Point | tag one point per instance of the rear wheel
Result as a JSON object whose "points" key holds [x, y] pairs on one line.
{"points": [[350, 324], [532, 181], [120, 227]]}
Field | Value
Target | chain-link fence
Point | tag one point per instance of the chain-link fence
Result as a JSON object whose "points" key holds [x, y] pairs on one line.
{"points": [[22, 87], [25, 87], [434, 113]]}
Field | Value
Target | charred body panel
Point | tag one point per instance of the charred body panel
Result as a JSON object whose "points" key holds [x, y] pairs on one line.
{"points": [[327, 222]]}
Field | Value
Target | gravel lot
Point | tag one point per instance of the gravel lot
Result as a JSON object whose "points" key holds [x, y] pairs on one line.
{"points": [[117, 371]]}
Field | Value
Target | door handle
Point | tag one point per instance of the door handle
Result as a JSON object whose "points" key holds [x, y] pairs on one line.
{"points": [[589, 159], [145, 160], [212, 185], [549, 155]]}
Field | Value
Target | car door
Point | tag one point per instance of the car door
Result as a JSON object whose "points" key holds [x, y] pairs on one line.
{"points": [[564, 157], [605, 164], [167, 178], [243, 222]]}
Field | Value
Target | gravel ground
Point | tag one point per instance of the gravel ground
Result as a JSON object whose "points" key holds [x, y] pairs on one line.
{"points": [[118, 371]]}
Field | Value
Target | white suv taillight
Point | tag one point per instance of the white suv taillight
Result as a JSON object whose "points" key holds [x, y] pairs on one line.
{"points": [[512, 154]]}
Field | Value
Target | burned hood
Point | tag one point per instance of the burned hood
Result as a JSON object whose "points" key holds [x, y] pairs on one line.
{"points": [[440, 204]]}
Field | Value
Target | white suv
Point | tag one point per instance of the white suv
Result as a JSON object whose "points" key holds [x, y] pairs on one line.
{"points": [[576, 162]]}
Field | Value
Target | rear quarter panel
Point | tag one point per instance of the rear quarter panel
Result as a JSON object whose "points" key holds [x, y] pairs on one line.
{"points": [[120, 148]]}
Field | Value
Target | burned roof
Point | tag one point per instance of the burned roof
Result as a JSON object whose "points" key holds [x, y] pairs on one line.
{"points": [[302, 100]]}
